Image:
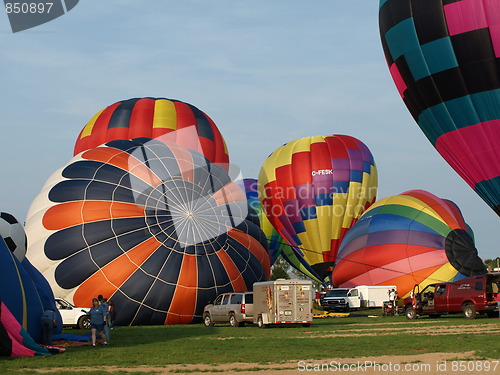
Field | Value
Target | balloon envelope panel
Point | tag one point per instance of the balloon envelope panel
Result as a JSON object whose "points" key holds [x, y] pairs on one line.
{"points": [[156, 228], [443, 57], [313, 189], [407, 239], [277, 245], [159, 118], [12, 232], [19, 293], [44, 290]]}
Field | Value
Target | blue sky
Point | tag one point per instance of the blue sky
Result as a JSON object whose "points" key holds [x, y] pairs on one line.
{"points": [[266, 71]]}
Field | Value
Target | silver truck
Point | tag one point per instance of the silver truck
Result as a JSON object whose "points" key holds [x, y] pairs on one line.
{"points": [[234, 308]]}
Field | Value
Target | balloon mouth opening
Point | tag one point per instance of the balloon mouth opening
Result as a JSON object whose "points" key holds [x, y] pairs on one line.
{"points": [[323, 270], [462, 253]]}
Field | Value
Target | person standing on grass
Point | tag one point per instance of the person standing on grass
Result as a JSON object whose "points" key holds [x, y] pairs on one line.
{"points": [[112, 313], [97, 321], [48, 324], [105, 307], [394, 301], [498, 304]]}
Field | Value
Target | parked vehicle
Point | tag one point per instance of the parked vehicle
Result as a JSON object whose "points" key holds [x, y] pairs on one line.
{"points": [[233, 308], [470, 296], [338, 299], [363, 296], [283, 301], [72, 316]]}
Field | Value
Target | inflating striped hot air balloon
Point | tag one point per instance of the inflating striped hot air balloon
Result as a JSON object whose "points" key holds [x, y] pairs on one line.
{"points": [[407, 239], [313, 189], [159, 118], [444, 58], [154, 227], [277, 245]]}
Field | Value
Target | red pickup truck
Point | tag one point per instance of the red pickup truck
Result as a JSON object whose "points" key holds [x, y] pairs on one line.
{"points": [[472, 295]]}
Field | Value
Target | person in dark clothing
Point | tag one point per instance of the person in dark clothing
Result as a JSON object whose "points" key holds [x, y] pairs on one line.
{"points": [[48, 324], [112, 313]]}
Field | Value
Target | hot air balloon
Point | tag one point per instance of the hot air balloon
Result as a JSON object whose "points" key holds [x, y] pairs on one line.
{"points": [[443, 57], [153, 226], [15, 341], [28, 293], [407, 239], [313, 189], [19, 293], [277, 245], [12, 232], [159, 118]]}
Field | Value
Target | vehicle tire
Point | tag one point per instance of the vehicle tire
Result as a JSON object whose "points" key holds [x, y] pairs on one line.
{"points": [[260, 322], [410, 313], [207, 320], [306, 325], [232, 321], [84, 322], [469, 311]]}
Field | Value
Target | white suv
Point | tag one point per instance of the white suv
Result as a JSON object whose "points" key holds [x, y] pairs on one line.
{"points": [[72, 316], [233, 308]]}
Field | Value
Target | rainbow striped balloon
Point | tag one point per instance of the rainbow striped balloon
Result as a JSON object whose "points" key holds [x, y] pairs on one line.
{"points": [[407, 239]]}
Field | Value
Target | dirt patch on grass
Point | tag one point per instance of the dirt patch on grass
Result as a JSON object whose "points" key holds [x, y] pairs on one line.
{"points": [[415, 330], [387, 329], [412, 364], [426, 363]]}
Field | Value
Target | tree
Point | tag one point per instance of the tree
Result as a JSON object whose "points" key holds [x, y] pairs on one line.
{"points": [[492, 264], [299, 275], [280, 269]]}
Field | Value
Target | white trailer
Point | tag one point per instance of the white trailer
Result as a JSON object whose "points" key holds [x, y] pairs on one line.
{"points": [[282, 301], [375, 295], [363, 296]]}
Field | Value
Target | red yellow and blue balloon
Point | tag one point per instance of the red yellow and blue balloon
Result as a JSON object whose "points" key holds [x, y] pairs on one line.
{"points": [[313, 190], [277, 245], [159, 118]]}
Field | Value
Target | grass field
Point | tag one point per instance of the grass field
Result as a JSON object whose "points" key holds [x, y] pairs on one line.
{"points": [[325, 338]]}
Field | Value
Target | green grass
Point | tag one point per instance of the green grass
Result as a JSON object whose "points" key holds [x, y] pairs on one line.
{"points": [[195, 344]]}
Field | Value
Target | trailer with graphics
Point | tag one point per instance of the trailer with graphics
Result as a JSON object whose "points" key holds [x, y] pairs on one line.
{"points": [[283, 302]]}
